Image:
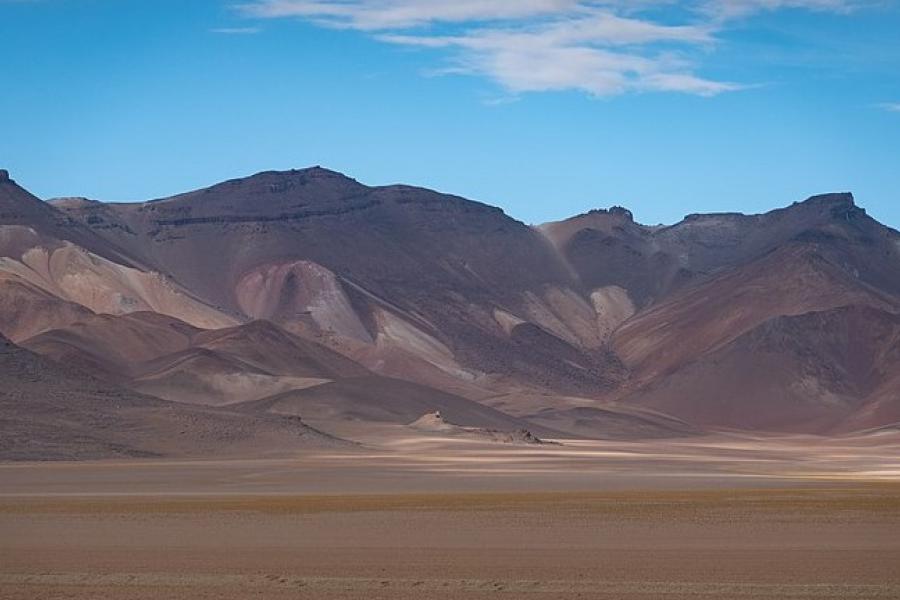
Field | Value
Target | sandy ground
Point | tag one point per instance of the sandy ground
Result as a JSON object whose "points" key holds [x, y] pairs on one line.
{"points": [[414, 517]]}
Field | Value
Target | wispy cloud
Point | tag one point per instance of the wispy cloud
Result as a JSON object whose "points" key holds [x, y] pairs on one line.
{"points": [[890, 106], [730, 9], [236, 30], [400, 14], [597, 54], [601, 47]]}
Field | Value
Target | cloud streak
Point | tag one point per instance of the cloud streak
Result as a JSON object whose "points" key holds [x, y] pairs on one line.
{"points": [[600, 47], [730, 9]]}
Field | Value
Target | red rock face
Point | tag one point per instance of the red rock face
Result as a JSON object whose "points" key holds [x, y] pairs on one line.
{"points": [[713, 321]]}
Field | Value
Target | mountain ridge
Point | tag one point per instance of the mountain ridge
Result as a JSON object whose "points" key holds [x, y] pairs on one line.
{"points": [[583, 322]]}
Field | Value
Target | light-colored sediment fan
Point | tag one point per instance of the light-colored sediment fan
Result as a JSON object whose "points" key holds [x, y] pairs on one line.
{"points": [[305, 292]]}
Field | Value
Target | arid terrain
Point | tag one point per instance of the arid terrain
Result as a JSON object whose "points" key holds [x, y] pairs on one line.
{"points": [[296, 385], [450, 300], [435, 517]]}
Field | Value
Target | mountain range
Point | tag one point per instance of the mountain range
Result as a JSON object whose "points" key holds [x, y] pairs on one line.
{"points": [[211, 320]]}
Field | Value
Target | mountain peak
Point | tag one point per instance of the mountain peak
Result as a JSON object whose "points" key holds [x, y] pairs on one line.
{"points": [[837, 206], [72, 202], [305, 174], [320, 171], [833, 199], [4, 176], [615, 211]]}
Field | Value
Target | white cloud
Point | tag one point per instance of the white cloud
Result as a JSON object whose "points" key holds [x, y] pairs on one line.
{"points": [[400, 14], [595, 54], [729, 9], [890, 106], [601, 47]]}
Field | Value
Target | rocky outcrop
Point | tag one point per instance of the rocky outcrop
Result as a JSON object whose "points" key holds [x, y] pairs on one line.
{"points": [[435, 423]]}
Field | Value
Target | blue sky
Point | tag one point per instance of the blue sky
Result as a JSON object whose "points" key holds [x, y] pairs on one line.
{"points": [[546, 108]]}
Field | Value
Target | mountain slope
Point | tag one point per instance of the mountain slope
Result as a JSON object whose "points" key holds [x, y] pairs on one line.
{"points": [[27, 310], [794, 279], [372, 271], [832, 370], [51, 412], [59, 256], [605, 248], [162, 356]]}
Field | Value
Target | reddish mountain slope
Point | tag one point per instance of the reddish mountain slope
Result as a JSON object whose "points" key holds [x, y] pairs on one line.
{"points": [[833, 370], [27, 310], [165, 357], [795, 279], [51, 412]]}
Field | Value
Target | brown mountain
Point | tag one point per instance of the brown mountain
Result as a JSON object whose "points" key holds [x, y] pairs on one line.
{"points": [[290, 288], [831, 370], [162, 356], [389, 274], [49, 258], [49, 411]]}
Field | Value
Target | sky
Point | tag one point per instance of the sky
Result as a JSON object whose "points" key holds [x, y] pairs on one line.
{"points": [[546, 108]]}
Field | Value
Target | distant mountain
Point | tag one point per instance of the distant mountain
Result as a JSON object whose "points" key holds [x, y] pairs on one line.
{"points": [[393, 274], [48, 258], [299, 285]]}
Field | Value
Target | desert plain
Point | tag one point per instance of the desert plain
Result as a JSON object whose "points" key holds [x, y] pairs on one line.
{"points": [[420, 515]]}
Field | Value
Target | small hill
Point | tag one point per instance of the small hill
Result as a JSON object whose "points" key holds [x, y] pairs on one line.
{"points": [[52, 412], [164, 357], [435, 423]]}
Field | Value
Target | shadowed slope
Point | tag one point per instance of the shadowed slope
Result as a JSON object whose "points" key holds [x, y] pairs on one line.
{"points": [[27, 310], [608, 422], [792, 280], [51, 412], [817, 372], [114, 346], [165, 357]]}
